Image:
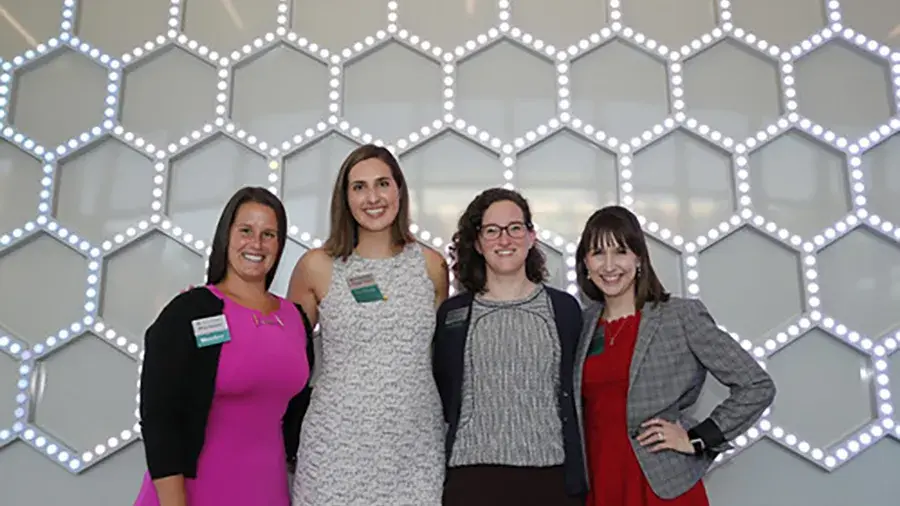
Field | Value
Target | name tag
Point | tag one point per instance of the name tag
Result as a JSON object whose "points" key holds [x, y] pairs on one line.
{"points": [[210, 331], [598, 341], [456, 316], [365, 289]]}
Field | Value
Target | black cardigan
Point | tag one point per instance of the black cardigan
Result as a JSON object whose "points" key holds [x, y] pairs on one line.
{"points": [[177, 384], [448, 362]]}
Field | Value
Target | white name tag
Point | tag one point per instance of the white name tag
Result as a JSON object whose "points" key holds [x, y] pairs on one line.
{"points": [[211, 330]]}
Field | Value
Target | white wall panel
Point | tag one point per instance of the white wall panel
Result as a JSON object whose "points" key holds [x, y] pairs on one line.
{"points": [[757, 139]]}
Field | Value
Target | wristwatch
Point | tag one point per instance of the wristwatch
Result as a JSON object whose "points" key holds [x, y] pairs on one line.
{"points": [[696, 442]]}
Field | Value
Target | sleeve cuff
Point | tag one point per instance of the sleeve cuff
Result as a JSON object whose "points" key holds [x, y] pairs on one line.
{"points": [[708, 432]]}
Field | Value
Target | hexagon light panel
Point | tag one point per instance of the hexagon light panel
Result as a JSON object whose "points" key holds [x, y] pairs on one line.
{"points": [[623, 146]]}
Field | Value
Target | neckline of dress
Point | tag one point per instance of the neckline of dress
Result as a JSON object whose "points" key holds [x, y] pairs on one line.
{"points": [[225, 298]]}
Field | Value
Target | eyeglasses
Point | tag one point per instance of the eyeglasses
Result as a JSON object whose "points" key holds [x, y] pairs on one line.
{"points": [[515, 230]]}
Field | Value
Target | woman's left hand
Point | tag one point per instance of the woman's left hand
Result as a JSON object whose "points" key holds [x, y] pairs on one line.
{"points": [[660, 434]]}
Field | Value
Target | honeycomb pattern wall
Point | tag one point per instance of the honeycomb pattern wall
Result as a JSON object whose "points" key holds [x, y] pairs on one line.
{"points": [[321, 79]]}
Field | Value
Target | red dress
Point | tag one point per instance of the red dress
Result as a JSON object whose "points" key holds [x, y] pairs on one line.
{"points": [[616, 477]]}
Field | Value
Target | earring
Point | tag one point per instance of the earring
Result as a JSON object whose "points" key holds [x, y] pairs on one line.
{"points": [[637, 272]]}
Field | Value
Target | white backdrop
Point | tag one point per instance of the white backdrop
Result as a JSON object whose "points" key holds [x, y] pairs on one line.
{"points": [[757, 140]]}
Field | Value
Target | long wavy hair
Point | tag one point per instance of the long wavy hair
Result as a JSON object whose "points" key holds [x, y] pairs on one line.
{"points": [[467, 264], [344, 233], [619, 225], [218, 257]]}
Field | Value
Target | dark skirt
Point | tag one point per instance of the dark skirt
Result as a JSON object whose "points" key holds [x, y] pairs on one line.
{"points": [[504, 485]]}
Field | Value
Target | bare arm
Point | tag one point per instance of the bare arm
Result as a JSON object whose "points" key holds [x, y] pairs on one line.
{"points": [[439, 273], [309, 282], [170, 491]]}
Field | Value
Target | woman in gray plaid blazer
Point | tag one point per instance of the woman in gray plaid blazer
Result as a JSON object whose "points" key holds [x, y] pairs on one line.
{"points": [[642, 362]]}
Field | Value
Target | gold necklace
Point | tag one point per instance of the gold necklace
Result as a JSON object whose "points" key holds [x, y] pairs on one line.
{"points": [[612, 340]]}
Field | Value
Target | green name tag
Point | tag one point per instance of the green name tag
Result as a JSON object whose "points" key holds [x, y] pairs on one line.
{"points": [[210, 331], [365, 289], [598, 343]]}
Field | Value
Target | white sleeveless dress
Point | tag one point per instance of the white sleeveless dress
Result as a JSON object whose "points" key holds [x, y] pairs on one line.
{"points": [[374, 432]]}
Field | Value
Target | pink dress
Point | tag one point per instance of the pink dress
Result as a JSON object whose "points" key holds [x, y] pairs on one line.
{"points": [[243, 461]]}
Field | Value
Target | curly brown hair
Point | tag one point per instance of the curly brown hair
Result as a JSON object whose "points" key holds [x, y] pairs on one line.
{"points": [[467, 264]]}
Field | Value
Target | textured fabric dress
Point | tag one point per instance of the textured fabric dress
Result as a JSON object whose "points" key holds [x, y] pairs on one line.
{"points": [[373, 434], [260, 369], [616, 476]]}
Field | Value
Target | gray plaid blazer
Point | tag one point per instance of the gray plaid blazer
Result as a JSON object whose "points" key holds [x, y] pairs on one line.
{"points": [[678, 343]]}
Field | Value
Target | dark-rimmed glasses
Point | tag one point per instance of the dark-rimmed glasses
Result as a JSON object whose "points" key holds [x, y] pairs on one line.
{"points": [[515, 230]]}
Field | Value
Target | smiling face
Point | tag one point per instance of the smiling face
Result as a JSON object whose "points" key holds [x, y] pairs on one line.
{"points": [[253, 242], [504, 240], [373, 195], [612, 267]]}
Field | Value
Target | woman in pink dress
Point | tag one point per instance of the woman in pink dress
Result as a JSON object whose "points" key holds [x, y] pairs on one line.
{"points": [[224, 383]]}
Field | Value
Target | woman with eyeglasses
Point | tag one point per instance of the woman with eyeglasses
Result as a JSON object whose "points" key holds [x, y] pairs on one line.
{"points": [[503, 360]]}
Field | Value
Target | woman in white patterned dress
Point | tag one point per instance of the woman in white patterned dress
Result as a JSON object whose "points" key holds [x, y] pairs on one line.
{"points": [[373, 433]]}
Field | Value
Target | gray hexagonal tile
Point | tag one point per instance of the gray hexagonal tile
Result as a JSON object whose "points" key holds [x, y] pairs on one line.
{"points": [[394, 82], [883, 184], [168, 95], [684, 183], [799, 183], [290, 256], [448, 24], [279, 93], [859, 280], [41, 269], [309, 176], [327, 23], [9, 376], [619, 89], [225, 27], [816, 374], [202, 180], [561, 23], [851, 102], [732, 88], [761, 295], [81, 405], [115, 477], [114, 179], [20, 186], [52, 114], [41, 18], [782, 23], [671, 23], [174, 268], [556, 266], [443, 176], [505, 90], [879, 23], [136, 21], [667, 264], [565, 180]]}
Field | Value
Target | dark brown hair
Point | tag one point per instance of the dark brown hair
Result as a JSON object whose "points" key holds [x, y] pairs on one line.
{"points": [[344, 228], [468, 264], [218, 256], [620, 225]]}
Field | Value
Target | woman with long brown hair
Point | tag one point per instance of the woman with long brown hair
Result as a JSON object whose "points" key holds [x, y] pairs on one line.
{"points": [[643, 359], [373, 432]]}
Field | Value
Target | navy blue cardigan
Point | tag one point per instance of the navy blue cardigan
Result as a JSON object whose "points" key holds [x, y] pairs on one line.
{"points": [[448, 362], [177, 384]]}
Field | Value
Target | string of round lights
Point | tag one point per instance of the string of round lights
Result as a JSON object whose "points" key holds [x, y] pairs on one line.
{"points": [[625, 150]]}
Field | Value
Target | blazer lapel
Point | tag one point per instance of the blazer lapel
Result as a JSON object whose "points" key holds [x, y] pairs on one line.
{"points": [[589, 326], [650, 322]]}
